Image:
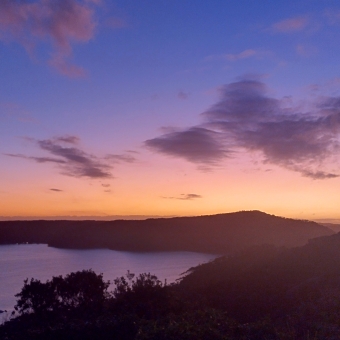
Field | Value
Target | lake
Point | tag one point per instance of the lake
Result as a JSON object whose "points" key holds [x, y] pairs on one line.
{"points": [[18, 262]]}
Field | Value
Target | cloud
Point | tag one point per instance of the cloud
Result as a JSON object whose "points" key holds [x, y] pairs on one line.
{"points": [[246, 119], [305, 51], [190, 196], [290, 25], [67, 139], [15, 111], [71, 160], [122, 158], [318, 174], [37, 159], [242, 101], [77, 162], [183, 95], [57, 23], [61, 64], [249, 53], [197, 144], [242, 55], [184, 197], [56, 190]]}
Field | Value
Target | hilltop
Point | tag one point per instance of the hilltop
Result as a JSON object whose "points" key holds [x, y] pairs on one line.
{"points": [[222, 233]]}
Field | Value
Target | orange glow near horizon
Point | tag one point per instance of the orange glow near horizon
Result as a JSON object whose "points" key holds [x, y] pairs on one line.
{"points": [[155, 188]]}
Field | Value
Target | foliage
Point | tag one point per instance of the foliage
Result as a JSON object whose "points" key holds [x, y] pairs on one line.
{"points": [[261, 293], [81, 290], [204, 324], [146, 296]]}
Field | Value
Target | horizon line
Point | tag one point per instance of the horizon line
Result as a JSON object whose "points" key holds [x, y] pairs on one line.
{"points": [[134, 217]]}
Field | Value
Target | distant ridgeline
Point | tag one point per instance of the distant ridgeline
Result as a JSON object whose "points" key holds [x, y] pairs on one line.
{"points": [[223, 233]]}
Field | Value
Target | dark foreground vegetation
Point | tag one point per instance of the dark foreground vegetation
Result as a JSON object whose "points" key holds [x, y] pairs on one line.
{"points": [[219, 234], [260, 293]]}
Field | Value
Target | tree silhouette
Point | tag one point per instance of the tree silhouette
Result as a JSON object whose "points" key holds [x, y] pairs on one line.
{"points": [[80, 290]]}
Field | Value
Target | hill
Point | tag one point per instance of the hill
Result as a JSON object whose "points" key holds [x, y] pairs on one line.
{"points": [[299, 285], [223, 233], [333, 226], [263, 292]]}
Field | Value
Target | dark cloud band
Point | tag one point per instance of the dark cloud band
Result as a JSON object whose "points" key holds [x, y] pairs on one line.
{"points": [[71, 160], [184, 197], [197, 144], [246, 119]]}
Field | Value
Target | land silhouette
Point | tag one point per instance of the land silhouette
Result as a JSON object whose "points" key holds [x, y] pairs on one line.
{"points": [[263, 292], [333, 226], [220, 234]]}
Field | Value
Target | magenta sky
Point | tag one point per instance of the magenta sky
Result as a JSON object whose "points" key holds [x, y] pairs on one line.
{"points": [[169, 108]]}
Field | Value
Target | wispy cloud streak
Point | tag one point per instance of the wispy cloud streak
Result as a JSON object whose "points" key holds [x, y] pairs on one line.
{"points": [[183, 95], [290, 25], [242, 55], [245, 54], [120, 158], [184, 197], [70, 159]]}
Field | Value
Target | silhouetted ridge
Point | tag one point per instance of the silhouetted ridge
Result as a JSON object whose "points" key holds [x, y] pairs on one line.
{"points": [[222, 233], [263, 292], [302, 281], [333, 226]]}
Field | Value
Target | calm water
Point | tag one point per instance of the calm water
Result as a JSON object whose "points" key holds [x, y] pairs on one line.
{"points": [[18, 262]]}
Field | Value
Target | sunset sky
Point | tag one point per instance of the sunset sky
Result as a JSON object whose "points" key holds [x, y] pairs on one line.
{"points": [[170, 107]]}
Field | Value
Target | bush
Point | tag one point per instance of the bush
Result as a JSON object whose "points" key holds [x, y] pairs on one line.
{"points": [[146, 296], [80, 290]]}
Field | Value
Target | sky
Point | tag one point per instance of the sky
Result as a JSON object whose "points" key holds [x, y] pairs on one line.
{"points": [[169, 108]]}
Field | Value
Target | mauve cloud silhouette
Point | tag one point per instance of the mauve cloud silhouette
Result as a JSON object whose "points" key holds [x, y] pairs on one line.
{"points": [[59, 23], [246, 119], [71, 160]]}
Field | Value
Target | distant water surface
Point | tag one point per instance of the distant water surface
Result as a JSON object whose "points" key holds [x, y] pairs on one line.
{"points": [[18, 262]]}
